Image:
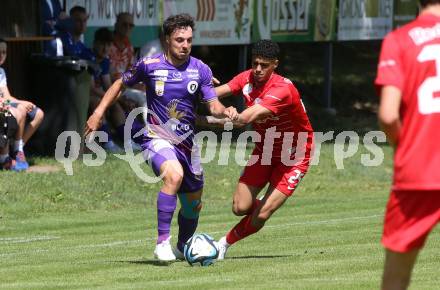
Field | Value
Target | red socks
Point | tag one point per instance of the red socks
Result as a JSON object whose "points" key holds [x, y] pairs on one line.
{"points": [[244, 228]]}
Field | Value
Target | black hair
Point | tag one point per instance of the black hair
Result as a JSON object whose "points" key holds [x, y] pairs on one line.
{"points": [[425, 3], [266, 48], [177, 21], [2, 40], [103, 35], [77, 9]]}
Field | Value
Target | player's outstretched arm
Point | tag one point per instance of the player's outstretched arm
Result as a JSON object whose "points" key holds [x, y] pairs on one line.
{"points": [[389, 116], [252, 114], [216, 108], [223, 91], [112, 94], [210, 120]]}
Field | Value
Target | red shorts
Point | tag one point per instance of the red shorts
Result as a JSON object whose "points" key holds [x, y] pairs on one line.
{"points": [[410, 216], [282, 177]]}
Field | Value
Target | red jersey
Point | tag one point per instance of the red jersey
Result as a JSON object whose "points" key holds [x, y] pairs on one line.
{"points": [[121, 55], [410, 61], [281, 97]]}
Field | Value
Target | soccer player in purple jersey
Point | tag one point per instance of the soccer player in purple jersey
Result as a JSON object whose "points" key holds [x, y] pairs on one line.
{"points": [[174, 81]]}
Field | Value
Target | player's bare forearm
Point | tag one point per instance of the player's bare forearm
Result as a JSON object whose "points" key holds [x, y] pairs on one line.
{"points": [[210, 120], [217, 109], [95, 120], [223, 91], [389, 115], [252, 114], [112, 95]]}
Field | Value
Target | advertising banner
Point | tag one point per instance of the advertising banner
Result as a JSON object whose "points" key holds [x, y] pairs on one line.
{"points": [[364, 19], [294, 20], [404, 11], [218, 22]]}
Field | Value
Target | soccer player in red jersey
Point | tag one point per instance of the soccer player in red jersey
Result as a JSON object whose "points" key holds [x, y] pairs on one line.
{"points": [[275, 110], [408, 79]]}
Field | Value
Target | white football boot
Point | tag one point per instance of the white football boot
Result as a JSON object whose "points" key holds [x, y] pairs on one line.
{"points": [[222, 248], [164, 251]]}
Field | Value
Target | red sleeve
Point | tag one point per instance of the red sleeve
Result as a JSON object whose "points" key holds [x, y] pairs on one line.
{"points": [[277, 99], [389, 70], [237, 83]]}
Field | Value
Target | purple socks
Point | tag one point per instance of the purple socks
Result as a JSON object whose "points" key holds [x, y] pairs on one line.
{"points": [[187, 227], [166, 204]]}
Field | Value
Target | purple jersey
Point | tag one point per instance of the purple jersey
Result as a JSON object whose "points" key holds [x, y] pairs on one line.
{"points": [[172, 95]]}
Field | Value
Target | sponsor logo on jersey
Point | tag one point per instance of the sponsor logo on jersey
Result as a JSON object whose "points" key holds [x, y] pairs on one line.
{"points": [[159, 87], [163, 79], [192, 87], [160, 73], [194, 76], [192, 70], [177, 76], [151, 60], [173, 112], [247, 89]]}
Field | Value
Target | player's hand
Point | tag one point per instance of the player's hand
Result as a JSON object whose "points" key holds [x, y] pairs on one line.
{"points": [[231, 113], [93, 123], [215, 81], [27, 105]]}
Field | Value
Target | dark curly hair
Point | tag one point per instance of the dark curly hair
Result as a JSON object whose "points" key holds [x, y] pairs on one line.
{"points": [[103, 35], [425, 3], [177, 21], [266, 48]]}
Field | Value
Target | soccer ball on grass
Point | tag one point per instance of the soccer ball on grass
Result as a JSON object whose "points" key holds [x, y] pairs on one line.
{"points": [[201, 249]]}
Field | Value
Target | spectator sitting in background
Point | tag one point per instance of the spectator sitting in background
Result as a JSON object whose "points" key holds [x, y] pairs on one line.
{"points": [[122, 58], [27, 126], [71, 38], [51, 15], [101, 83], [121, 51], [8, 129]]}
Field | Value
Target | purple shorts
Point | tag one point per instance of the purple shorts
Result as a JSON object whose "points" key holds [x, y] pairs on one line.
{"points": [[157, 151]]}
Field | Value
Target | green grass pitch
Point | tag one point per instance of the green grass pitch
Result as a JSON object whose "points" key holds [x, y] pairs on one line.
{"points": [[96, 229]]}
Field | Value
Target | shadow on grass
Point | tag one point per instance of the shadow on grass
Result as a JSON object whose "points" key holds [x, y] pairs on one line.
{"points": [[258, 257], [152, 262]]}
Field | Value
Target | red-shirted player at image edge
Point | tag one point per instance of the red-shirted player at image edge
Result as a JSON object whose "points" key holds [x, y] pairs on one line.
{"points": [[408, 80]]}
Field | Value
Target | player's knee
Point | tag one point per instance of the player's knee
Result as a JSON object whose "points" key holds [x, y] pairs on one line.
{"points": [[39, 116], [240, 208], [173, 179]]}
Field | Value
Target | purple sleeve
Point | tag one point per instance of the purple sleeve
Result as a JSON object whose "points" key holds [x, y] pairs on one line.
{"points": [[135, 74], [207, 88]]}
